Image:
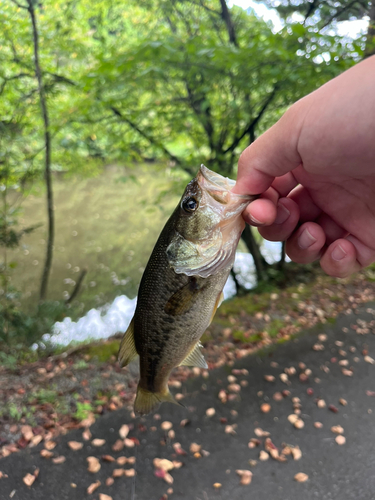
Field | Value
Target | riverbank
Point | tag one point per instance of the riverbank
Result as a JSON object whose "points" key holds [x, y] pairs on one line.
{"points": [[294, 421]]}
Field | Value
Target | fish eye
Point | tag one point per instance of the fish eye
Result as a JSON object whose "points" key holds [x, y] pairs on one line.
{"points": [[190, 204]]}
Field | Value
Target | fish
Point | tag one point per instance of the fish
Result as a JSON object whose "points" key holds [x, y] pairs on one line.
{"points": [[182, 285]]}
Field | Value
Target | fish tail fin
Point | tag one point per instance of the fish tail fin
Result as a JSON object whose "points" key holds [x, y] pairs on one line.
{"points": [[147, 401]]}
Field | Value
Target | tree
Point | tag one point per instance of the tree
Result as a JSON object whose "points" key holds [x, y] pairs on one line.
{"points": [[320, 15], [205, 80], [190, 81], [370, 38]]}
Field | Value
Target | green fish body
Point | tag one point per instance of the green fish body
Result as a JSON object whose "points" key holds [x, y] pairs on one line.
{"points": [[182, 285]]}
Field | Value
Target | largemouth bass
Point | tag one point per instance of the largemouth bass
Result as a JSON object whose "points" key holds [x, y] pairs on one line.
{"points": [[182, 285]]}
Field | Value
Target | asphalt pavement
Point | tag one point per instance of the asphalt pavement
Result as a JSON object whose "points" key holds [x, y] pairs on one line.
{"points": [[339, 368]]}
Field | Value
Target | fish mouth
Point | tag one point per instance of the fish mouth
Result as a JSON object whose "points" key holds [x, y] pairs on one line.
{"points": [[219, 187]]}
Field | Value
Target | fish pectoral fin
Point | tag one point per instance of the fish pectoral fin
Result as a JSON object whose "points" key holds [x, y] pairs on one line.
{"points": [[127, 351], [195, 358], [182, 300], [147, 401], [219, 300]]}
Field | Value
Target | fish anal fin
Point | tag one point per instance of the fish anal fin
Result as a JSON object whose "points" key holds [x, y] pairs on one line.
{"points": [[182, 300], [127, 351], [147, 401], [195, 358], [219, 300]]}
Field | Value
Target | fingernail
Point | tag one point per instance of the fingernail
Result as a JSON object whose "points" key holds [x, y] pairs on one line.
{"points": [[306, 239], [282, 214], [255, 221], [338, 253]]}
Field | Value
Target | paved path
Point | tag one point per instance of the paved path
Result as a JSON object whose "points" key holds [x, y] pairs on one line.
{"points": [[335, 472]]}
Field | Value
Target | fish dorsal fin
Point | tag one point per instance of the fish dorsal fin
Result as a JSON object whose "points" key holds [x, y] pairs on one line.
{"points": [[182, 300], [127, 350], [195, 358]]}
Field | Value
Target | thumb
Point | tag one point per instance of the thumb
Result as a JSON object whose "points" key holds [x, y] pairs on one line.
{"points": [[273, 154]]}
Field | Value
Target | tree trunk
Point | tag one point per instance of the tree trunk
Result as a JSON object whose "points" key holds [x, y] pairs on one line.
{"points": [[77, 287], [370, 39], [47, 158], [281, 263], [225, 15], [259, 261], [240, 290]]}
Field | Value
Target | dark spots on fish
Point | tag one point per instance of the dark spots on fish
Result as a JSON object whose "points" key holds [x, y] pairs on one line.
{"points": [[168, 319]]}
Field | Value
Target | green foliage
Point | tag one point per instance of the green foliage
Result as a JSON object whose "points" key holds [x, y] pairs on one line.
{"points": [[80, 365], [17, 326], [17, 412], [155, 79], [83, 410], [44, 396], [321, 13]]}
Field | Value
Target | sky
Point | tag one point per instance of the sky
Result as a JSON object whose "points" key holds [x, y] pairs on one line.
{"points": [[345, 28]]}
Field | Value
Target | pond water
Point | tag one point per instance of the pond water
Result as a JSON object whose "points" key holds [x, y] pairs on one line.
{"points": [[107, 224], [102, 323]]}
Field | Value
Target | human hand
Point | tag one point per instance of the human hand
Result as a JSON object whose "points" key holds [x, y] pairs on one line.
{"points": [[315, 169]]}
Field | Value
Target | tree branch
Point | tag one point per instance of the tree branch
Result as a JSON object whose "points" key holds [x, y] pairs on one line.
{"points": [[254, 122], [225, 15], [15, 77], [311, 9], [338, 13], [204, 117], [20, 5], [149, 138]]}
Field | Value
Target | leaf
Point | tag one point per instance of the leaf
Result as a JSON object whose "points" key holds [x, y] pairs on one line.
{"points": [[163, 464], [118, 472], [46, 453], [98, 442], [75, 445], [103, 496], [124, 431], [129, 472], [94, 465], [246, 476], [93, 487], [49, 445], [118, 445], [29, 479], [195, 448]]}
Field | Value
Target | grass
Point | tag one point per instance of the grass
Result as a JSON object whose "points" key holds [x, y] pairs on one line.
{"points": [[104, 351], [18, 412]]}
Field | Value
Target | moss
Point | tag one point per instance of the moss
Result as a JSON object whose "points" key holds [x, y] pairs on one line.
{"points": [[104, 352], [283, 340], [242, 337], [274, 327], [250, 304], [331, 321]]}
